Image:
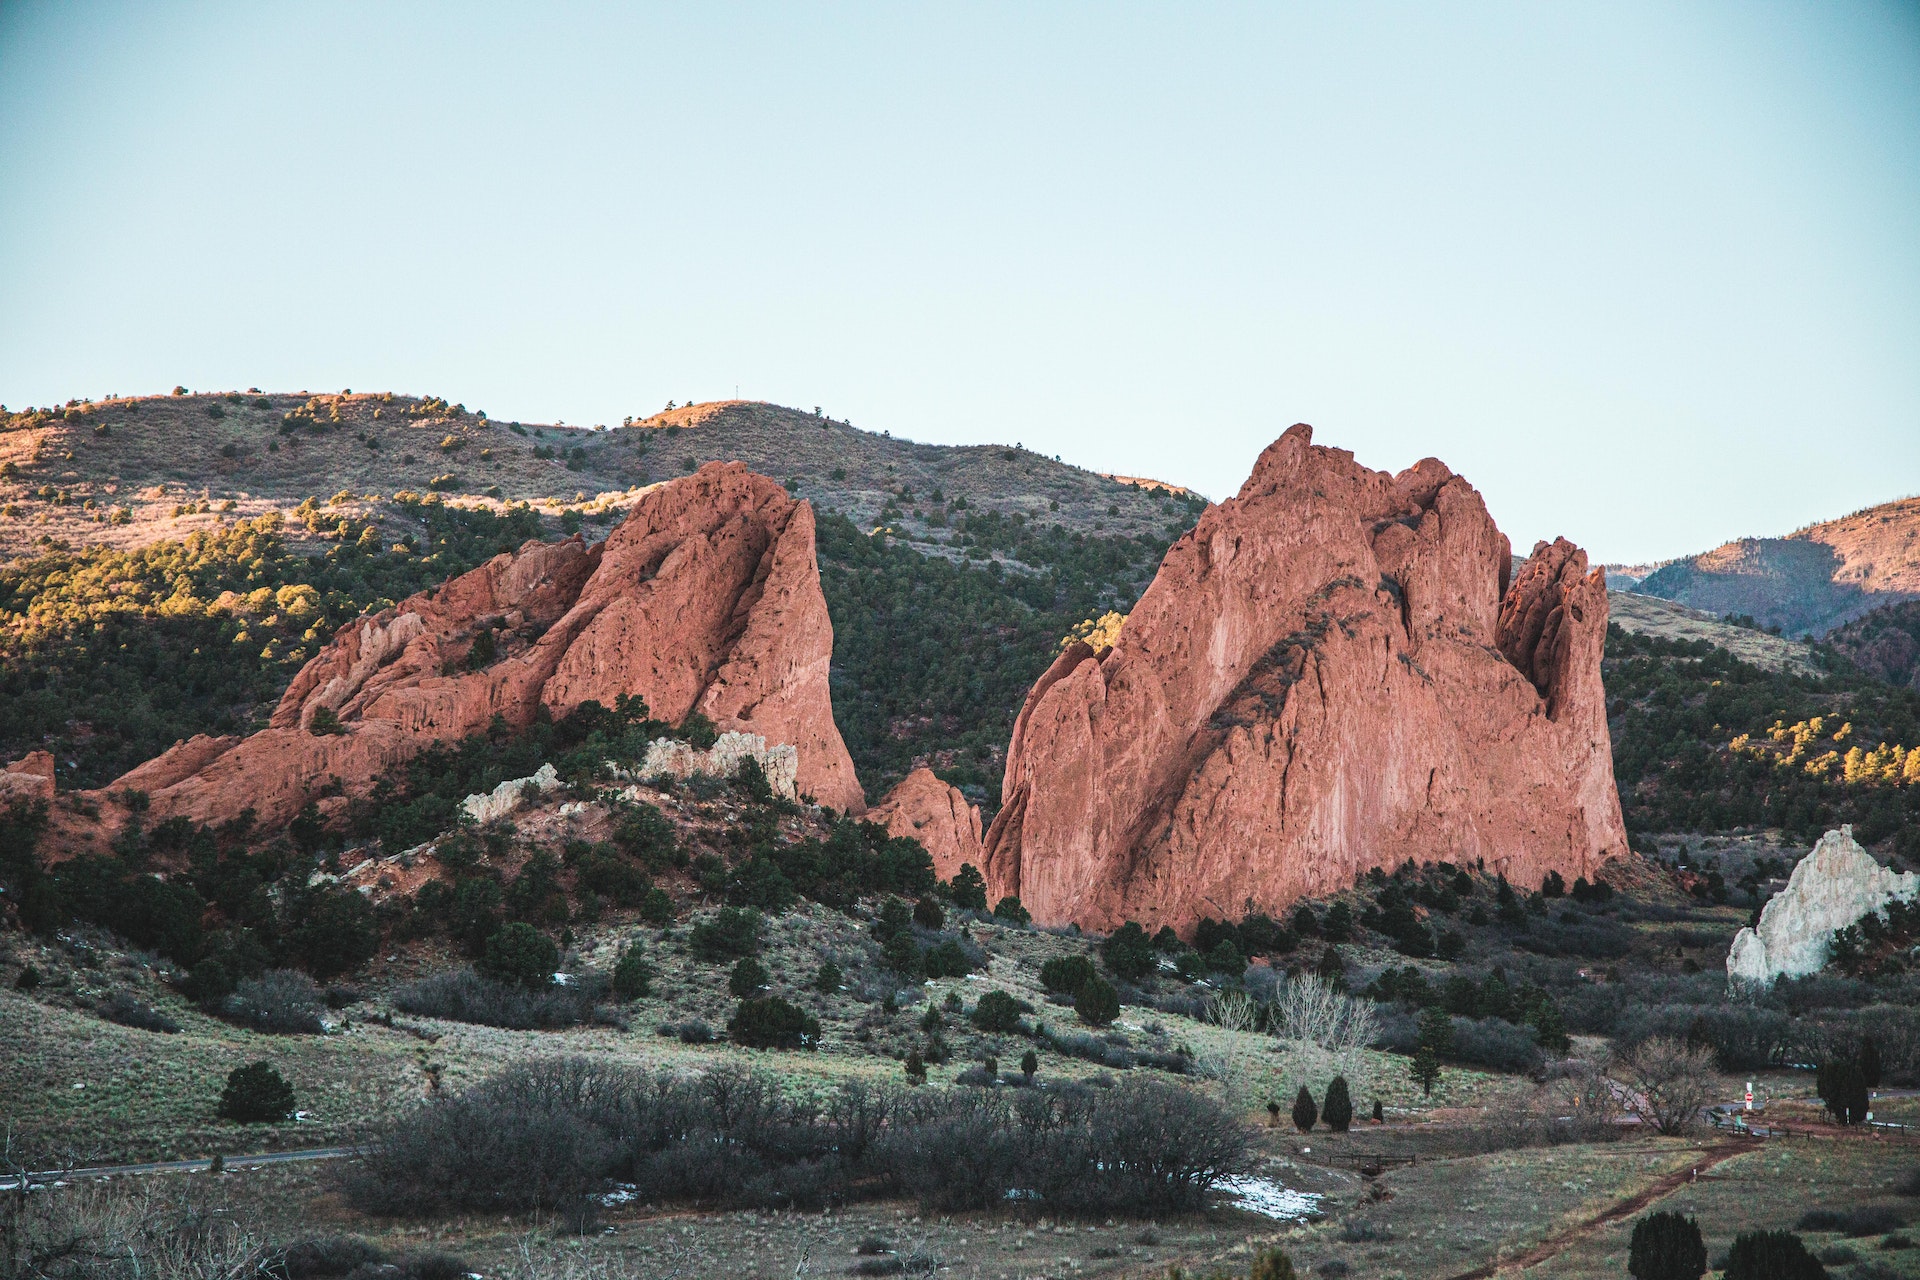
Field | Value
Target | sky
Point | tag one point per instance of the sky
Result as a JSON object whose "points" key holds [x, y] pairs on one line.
{"points": [[1647, 274]]}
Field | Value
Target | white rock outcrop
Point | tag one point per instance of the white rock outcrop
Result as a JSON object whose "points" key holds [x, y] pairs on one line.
{"points": [[505, 798], [669, 757], [1830, 888]]}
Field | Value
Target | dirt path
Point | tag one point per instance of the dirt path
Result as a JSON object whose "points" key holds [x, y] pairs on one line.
{"points": [[1633, 1204]]}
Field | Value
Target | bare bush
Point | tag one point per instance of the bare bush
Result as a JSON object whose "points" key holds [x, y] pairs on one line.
{"points": [[121, 1007], [464, 996], [1671, 1081], [143, 1230], [1312, 1010], [279, 1000]]}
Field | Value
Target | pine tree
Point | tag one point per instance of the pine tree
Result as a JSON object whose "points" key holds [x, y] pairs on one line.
{"points": [[916, 1067], [1379, 1113], [1666, 1246], [254, 1093], [1271, 1264], [1771, 1255], [1305, 1113], [1029, 1064], [1870, 1062], [1425, 1069], [1337, 1111]]}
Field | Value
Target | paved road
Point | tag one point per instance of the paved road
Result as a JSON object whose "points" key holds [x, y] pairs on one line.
{"points": [[181, 1166]]}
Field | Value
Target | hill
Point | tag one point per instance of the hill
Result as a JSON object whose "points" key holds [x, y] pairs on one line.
{"points": [[1810, 581], [127, 472], [1652, 616], [1885, 644]]}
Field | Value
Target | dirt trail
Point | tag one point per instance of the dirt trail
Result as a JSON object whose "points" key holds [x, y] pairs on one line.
{"points": [[1633, 1204]]}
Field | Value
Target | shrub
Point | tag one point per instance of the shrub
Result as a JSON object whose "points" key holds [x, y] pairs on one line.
{"points": [[1771, 1255], [279, 1000], [732, 932], [122, 1008], [1337, 1111], [256, 1093], [997, 1011], [1067, 974], [1863, 1220], [947, 959], [464, 996], [321, 1259], [1129, 952], [1271, 1264], [632, 975], [1842, 1086], [1097, 1003], [324, 721], [1010, 910], [1305, 1114], [928, 915], [521, 955], [829, 977], [772, 1023], [1666, 1246], [748, 976]]}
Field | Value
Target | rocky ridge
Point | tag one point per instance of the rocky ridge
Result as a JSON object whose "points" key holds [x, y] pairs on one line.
{"points": [[1330, 673]]}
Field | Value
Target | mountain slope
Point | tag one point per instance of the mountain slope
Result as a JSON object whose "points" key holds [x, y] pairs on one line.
{"points": [[1810, 581]]}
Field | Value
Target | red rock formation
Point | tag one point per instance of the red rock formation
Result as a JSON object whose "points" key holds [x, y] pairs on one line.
{"points": [[926, 809], [30, 778], [1328, 674], [706, 597]]}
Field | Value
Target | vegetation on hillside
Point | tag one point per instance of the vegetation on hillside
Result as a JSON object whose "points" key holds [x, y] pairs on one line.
{"points": [[107, 656], [1705, 742]]}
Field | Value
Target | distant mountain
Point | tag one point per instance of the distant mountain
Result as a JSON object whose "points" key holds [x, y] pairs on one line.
{"points": [[1809, 582]]}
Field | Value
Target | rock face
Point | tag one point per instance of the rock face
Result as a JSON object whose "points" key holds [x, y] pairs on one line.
{"points": [[705, 598], [1830, 888], [506, 799], [926, 809], [27, 779], [675, 759], [1329, 673]]}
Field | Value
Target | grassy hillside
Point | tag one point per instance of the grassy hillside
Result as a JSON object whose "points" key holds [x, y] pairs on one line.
{"points": [[1652, 616], [1810, 581]]}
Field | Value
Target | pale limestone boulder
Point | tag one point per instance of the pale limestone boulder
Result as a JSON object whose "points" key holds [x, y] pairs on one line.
{"points": [[1831, 888], [669, 757], [506, 798]]}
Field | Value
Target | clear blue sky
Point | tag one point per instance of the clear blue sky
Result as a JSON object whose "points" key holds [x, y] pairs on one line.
{"points": [[1649, 275]]}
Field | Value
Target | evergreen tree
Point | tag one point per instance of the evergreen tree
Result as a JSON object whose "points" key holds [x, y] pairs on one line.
{"points": [[1771, 1255], [1097, 1003], [256, 1093], [1869, 1060], [520, 954], [632, 976], [1337, 1110], [1305, 1114], [1666, 1246], [969, 888], [1843, 1087]]}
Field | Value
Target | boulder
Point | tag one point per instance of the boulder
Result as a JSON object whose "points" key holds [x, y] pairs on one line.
{"points": [[29, 778], [1830, 888], [1329, 673], [669, 757], [505, 799], [705, 598], [926, 809]]}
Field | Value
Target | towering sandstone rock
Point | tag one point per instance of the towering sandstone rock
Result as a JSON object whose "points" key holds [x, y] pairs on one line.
{"points": [[1329, 673], [1830, 888], [705, 598]]}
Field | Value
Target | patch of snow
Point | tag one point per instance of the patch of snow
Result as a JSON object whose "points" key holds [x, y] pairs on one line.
{"points": [[1269, 1199], [622, 1193]]}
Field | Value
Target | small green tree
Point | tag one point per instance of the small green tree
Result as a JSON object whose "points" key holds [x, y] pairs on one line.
{"points": [[997, 1011], [1771, 1255], [632, 975], [748, 976], [731, 933], [1425, 1069], [256, 1093], [928, 914], [1129, 952], [772, 1023], [1098, 1004], [1029, 1065], [1379, 1112], [916, 1068], [829, 978], [1337, 1110], [1305, 1114], [520, 954], [969, 888], [1067, 974], [1666, 1246], [1010, 910]]}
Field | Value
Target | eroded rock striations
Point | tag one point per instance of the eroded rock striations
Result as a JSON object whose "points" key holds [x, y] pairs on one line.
{"points": [[1329, 673], [1830, 888], [923, 808], [705, 598]]}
